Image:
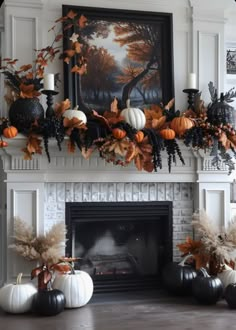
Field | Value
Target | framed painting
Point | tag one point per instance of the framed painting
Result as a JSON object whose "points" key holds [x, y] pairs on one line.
{"points": [[129, 55]]}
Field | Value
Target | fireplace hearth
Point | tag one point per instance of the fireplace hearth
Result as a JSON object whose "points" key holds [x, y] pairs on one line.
{"points": [[123, 245]]}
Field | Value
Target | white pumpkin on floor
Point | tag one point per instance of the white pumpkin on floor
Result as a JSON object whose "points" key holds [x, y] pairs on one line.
{"points": [[17, 298], [134, 116], [227, 276], [77, 288]]}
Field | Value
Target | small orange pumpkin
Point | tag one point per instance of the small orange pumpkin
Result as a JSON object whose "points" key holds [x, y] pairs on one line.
{"points": [[118, 133], [167, 134], [10, 132], [3, 144], [181, 124], [139, 136]]}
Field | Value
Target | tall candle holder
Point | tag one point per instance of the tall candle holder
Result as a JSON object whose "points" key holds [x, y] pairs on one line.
{"points": [[50, 93], [191, 96]]}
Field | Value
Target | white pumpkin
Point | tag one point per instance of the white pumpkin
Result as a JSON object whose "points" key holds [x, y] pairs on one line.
{"points": [[134, 116], [77, 288], [228, 276], [75, 114], [17, 298]]}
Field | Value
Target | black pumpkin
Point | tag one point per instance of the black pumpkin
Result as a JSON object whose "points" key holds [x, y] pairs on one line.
{"points": [[48, 302], [207, 289], [230, 295], [177, 277], [23, 112], [220, 112]]}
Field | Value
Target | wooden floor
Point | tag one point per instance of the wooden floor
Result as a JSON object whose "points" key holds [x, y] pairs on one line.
{"points": [[132, 311]]}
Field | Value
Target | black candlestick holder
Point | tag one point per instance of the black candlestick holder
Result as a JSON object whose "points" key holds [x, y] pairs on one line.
{"points": [[191, 96], [50, 111]]}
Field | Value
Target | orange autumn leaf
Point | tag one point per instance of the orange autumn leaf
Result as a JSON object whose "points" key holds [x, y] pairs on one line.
{"points": [[70, 52], [82, 21], [70, 124], [24, 68], [190, 246], [201, 260], [58, 37], [158, 123], [224, 141], [78, 47], [29, 75], [61, 268], [28, 91], [114, 105], [71, 14], [232, 139], [61, 107], [71, 147], [170, 104], [80, 70]]}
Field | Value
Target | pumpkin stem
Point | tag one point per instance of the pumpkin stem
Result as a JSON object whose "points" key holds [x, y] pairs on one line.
{"points": [[18, 279], [204, 272], [182, 263], [128, 103]]}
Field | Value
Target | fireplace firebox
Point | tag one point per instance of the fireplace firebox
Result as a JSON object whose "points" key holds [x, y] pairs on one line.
{"points": [[124, 245]]}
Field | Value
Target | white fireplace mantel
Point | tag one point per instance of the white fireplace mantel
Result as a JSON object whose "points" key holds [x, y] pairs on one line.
{"points": [[23, 185]]}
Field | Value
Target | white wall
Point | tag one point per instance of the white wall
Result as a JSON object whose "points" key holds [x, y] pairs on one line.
{"points": [[199, 33]]}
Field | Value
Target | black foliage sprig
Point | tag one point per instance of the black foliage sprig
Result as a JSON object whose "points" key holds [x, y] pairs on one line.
{"points": [[172, 149], [157, 146], [194, 137], [51, 128]]}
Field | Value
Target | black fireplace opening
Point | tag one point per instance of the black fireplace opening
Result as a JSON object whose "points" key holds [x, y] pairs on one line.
{"points": [[122, 245]]}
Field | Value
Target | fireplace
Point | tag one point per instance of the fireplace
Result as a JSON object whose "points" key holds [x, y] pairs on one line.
{"points": [[123, 245], [39, 192]]}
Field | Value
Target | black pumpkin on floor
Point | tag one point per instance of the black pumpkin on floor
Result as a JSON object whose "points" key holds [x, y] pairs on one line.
{"points": [[207, 289], [177, 277], [230, 295], [48, 302]]}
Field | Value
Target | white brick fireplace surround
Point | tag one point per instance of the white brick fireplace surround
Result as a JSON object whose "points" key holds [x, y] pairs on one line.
{"points": [[36, 191]]}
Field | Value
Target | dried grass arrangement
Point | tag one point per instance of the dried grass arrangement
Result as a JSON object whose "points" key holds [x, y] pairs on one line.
{"points": [[214, 247], [46, 249]]}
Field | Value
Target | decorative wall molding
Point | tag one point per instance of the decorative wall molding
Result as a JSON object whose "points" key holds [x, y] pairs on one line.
{"points": [[31, 43], [38, 4]]}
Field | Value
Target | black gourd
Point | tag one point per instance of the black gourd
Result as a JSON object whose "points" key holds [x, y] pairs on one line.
{"points": [[230, 295], [177, 277], [48, 302], [207, 289]]}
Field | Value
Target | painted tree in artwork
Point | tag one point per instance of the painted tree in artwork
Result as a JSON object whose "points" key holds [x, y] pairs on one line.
{"points": [[143, 45], [99, 85]]}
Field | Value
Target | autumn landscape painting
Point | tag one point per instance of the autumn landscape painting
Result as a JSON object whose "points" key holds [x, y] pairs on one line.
{"points": [[129, 56]]}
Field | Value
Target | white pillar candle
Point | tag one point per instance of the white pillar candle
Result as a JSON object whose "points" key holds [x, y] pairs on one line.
{"points": [[192, 81], [48, 81]]}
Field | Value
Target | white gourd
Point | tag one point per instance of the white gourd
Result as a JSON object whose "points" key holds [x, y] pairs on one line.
{"points": [[227, 276], [134, 116], [17, 298], [77, 288], [75, 114]]}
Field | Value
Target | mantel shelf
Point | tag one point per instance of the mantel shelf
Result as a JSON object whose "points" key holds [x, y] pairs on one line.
{"points": [[73, 167]]}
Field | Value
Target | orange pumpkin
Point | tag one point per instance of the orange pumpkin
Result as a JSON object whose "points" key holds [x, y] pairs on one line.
{"points": [[3, 144], [167, 134], [10, 132], [181, 124], [118, 133], [139, 136]]}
